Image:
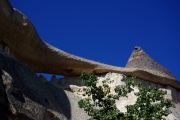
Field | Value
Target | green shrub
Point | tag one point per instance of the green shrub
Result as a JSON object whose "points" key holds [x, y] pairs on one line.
{"points": [[99, 103]]}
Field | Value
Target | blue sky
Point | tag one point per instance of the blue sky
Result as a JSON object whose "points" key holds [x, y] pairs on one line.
{"points": [[108, 30]]}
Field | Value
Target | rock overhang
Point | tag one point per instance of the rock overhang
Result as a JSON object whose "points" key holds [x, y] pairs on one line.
{"points": [[25, 44]]}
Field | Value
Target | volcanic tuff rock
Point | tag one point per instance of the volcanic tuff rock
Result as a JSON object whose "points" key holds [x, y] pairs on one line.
{"points": [[75, 85], [19, 35], [139, 59], [23, 95]]}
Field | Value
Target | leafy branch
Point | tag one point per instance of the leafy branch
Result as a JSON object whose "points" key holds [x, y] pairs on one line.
{"points": [[100, 104]]}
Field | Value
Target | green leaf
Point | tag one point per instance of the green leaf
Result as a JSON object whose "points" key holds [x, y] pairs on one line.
{"points": [[100, 105]]}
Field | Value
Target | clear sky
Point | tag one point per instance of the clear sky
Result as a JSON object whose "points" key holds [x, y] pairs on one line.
{"points": [[108, 30]]}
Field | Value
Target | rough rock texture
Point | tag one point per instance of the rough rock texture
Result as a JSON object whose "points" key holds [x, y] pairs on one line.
{"points": [[172, 93], [139, 59], [25, 96], [19, 35]]}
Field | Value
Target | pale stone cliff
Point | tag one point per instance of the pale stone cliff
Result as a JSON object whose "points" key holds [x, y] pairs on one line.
{"points": [[24, 95], [75, 85]]}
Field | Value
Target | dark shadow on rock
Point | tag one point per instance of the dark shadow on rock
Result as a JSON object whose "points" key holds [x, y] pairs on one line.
{"points": [[22, 92], [4, 106]]}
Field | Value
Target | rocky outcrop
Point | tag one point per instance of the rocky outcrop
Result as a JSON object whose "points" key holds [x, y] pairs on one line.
{"points": [[140, 59], [19, 35], [75, 85], [23, 95]]}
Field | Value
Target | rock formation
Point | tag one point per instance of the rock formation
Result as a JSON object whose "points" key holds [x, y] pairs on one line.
{"points": [[75, 85], [139, 59], [20, 36], [23, 95]]}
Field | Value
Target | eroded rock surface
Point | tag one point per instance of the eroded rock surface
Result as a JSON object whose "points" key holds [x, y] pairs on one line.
{"points": [[140, 59], [24, 96], [19, 35], [76, 87]]}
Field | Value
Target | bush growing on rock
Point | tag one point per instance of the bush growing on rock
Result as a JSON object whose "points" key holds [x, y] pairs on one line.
{"points": [[99, 103]]}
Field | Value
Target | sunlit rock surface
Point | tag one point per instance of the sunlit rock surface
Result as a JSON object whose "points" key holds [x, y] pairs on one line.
{"points": [[23, 95], [75, 85]]}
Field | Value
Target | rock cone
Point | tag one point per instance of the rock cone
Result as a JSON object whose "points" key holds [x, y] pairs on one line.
{"points": [[139, 59]]}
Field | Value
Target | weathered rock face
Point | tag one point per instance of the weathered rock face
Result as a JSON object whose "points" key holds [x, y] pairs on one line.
{"points": [[24, 96], [140, 59], [75, 85], [19, 35]]}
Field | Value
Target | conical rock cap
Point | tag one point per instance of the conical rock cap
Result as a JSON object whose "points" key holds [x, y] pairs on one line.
{"points": [[139, 59]]}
